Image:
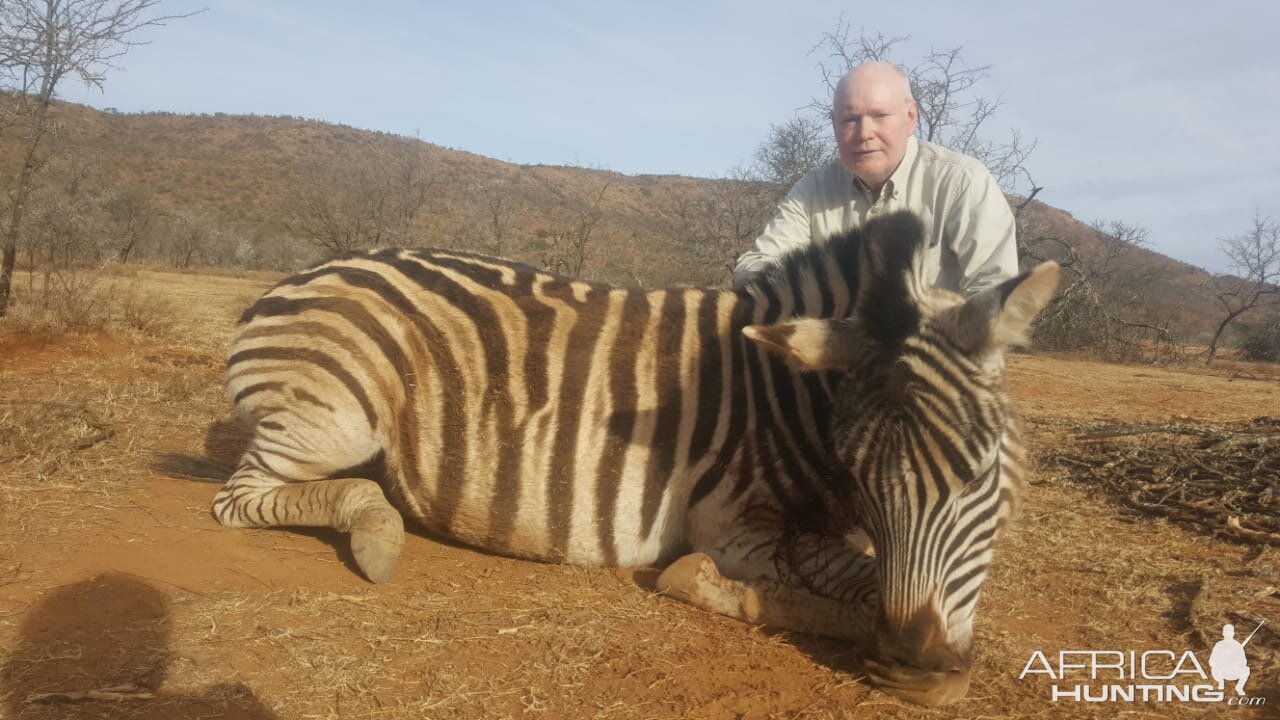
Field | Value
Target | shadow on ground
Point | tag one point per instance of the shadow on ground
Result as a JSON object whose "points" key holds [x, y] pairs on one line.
{"points": [[99, 649]]}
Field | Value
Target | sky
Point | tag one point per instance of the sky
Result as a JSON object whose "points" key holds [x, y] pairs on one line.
{"points": [[1159, 114]]}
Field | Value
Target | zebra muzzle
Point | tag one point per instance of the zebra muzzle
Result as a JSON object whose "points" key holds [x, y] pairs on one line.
{"points": [[916, 663], [923, 687]]}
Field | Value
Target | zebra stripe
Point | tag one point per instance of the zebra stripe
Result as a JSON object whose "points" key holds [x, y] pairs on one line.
{"points": [[546, 418], [636, 402]]}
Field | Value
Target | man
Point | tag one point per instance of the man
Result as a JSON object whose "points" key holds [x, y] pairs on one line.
{"points": [[1227, 661], [883, 167]]}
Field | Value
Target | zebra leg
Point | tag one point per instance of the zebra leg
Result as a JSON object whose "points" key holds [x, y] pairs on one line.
{"points": [[694, 579], [255, 497], [829, 590]]}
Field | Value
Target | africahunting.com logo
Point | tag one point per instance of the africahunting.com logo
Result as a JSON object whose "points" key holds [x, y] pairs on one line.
{"points": [[1159, 676]]}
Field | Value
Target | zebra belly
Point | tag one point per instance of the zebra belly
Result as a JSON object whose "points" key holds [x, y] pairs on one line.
{"points": [[552, 518]]}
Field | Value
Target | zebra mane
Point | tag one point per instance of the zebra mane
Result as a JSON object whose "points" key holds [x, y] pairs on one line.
{"points": [[818, 280], [879, 262], [892, 287]]}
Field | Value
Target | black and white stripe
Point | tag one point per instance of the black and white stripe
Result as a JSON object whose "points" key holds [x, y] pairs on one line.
{"points": [[526, 413], [545, 418]]}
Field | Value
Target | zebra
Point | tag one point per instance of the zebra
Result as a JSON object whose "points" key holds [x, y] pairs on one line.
{"points": [[829, 449]]}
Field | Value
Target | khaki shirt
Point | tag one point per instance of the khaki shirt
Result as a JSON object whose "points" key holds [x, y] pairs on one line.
{"points": [[967, 220]]}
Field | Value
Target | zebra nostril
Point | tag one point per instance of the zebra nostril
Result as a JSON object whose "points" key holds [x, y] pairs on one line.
{"points": [[942, 658], [920, 644], [933, 659]]}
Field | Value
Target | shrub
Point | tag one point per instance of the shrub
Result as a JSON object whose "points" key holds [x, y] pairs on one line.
{"points": [[86, 300], [1262, 344]]}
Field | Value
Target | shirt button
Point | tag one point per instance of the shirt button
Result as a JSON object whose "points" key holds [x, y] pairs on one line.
{"points": [[875, 211]]}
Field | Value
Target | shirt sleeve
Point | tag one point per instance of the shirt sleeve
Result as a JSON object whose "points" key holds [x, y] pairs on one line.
{"points": [[788, 229], [983, 234]]}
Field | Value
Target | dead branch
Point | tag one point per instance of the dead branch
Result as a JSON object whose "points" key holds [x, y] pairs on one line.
{"points": [[1114, 431], [115, 693], [1227, 484]]}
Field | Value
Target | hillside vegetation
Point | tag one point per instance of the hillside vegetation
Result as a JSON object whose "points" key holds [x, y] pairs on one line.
{"points": [[280, 193]]}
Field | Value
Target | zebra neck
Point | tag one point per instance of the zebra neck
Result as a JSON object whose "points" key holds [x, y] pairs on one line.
{"points": [[777, 416]]}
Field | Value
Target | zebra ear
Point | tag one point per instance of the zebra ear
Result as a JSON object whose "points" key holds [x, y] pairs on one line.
{"points": [[1001, 316], [808, 344]]}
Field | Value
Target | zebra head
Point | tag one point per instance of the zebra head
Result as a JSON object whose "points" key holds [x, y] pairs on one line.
{"points": [[922, 428]]}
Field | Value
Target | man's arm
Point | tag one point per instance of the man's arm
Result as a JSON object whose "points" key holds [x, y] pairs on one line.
{"points": [[982, 229], [789, 229]]}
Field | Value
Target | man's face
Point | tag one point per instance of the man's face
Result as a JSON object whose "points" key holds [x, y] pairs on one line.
{"points": [[873, 121]]}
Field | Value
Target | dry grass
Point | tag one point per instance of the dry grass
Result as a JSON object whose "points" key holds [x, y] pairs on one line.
{"points": [[196, 274], [89, 300], [1245, 370], [259, 624]]}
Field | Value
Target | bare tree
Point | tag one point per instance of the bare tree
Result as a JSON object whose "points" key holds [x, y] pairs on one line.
{"points": [[43, 42], [355, 201], [951, 113], [187, 235], [63, 221], [571, 242], [714, 227], [1255, 262], [487, 222], [794, 148], [1098, 307], [131, 218]]}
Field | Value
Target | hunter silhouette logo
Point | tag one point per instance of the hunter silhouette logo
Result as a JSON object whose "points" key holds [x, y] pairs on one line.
{"points": [[1144, 676], [1227, 662]]}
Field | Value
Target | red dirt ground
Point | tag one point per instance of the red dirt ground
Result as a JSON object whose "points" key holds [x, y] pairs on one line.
{"points": [[112, 574]]}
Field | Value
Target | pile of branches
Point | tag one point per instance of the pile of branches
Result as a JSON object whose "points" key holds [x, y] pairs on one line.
{"points": [[1221, 480]]}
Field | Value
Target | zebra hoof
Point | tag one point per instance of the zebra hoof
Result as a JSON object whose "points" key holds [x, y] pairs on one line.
{"points": [[683, 578], [376, 539], [696, 580]]}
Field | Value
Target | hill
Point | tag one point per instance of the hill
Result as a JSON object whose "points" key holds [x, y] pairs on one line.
{"points": [[237, 190]]}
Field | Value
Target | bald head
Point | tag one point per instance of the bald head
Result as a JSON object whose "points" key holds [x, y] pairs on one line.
{"points": [[891, 78], [873, 115]]}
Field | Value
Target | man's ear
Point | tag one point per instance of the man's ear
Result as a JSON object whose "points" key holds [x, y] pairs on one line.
{"points": [[808, 344], [1001, 316]]}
